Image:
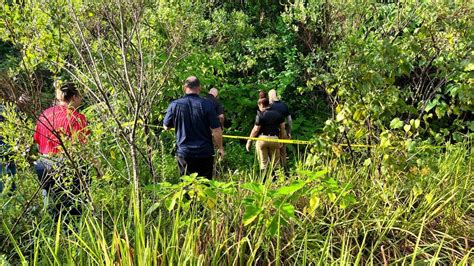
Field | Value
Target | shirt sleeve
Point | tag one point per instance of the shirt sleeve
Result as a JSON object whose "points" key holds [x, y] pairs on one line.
{"points": [[169, 117], [212, 117], [258, 120], [287, 111], [220, 108], [36, 135]]}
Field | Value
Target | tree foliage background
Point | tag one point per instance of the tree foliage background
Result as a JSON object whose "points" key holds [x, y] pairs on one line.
{"points": [[393, 74]]}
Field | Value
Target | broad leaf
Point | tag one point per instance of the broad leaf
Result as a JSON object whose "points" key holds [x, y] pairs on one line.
{"points": [[292, 188], [250, 214]]}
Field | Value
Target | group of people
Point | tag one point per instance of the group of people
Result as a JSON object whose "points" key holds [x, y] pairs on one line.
{"points": [[198, 123], [270, 124]]}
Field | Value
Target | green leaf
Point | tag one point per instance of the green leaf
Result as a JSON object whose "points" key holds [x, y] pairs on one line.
{"points": [[417, 123], [396, 123], [340, 117], [431, 105], [429, 197], [250, 214], [171, 203], [407, 128], [288, 210], [319, 174], [367, 162], [255, 187], [273, 226], [313, 205], [153, 208], [292, 188]]}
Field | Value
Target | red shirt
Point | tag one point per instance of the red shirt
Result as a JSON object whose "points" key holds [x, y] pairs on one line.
{"points": [[59, 120]]}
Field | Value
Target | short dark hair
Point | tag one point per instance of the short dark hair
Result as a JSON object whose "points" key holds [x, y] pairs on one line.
{"points": [[264, 102], [69, 90], [192, 83]]}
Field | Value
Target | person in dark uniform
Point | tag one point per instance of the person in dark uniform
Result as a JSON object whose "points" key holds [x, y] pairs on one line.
{"points": [[269, 124], [278, 105], [196, 124], [213, 97]]}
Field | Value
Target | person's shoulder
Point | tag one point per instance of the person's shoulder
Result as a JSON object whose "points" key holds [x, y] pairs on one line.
{"points": [[51, 109], [179, 100], [79, 115], [207, 101], [274, 113]]}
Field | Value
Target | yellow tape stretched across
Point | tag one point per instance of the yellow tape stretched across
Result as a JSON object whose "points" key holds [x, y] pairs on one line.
{"points": [[286, 141]]}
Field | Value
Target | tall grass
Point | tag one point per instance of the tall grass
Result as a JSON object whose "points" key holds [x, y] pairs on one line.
{"points": [[420, 213]]}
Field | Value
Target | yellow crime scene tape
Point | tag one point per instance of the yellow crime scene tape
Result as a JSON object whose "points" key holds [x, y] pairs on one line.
{"points": [[287, 141]]}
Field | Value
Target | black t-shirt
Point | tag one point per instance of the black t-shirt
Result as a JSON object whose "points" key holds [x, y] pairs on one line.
{"points": [[218, 106], [269, 121], [281, 107]]}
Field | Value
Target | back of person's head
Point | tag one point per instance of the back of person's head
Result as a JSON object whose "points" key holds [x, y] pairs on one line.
{"points": [[192, 83], [214, 92], [272, 96], [66, 92], [263, 102], [261, 94]]}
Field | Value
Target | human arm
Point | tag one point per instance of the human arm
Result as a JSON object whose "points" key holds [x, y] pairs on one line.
{"points": [[169, 117], [216, 130], [220, 113], [290, 125], [253, 134], [283, 131], [217, 136], [221, 120]]}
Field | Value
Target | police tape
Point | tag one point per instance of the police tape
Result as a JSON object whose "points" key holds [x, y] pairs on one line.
{"points": [[291, 141], [285, 141]]}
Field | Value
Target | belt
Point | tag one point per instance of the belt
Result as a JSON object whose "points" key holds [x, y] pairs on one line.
{"points": [[265, 135]]}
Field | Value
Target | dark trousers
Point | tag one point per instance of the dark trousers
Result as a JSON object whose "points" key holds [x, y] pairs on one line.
{"points": [[203, 166], [63, 189], [7, 166], [8, 170]]}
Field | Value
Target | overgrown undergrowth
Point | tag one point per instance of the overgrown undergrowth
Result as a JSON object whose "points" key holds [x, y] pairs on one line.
{"points": [[335, 213]]}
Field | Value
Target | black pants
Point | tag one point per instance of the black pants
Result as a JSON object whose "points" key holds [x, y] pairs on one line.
{"points": [[63, 187], [203, 166]]}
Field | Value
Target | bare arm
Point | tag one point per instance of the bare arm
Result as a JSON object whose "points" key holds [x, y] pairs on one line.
{"points": [[217, 135], [253, 134], [290, 125], [283, 131], [221, 120]]}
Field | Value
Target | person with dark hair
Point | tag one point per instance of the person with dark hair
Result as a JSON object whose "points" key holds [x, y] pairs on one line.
{"points": [[261, 95], [212, 97], [196, 124], [56, 125], [269, 124]]}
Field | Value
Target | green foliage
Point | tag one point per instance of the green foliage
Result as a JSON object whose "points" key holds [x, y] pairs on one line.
{"points": [[394, 79]]}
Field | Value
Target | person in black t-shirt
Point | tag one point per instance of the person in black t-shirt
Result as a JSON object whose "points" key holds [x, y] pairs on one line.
{"points": [[212, 96], [268, 124], [278, 105]]}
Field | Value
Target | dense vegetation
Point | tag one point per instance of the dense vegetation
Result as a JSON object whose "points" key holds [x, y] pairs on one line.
{"points": [[383, 90]]}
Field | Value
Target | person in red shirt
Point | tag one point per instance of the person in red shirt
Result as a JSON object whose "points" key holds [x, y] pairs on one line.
{"points": [[57, 125]]}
